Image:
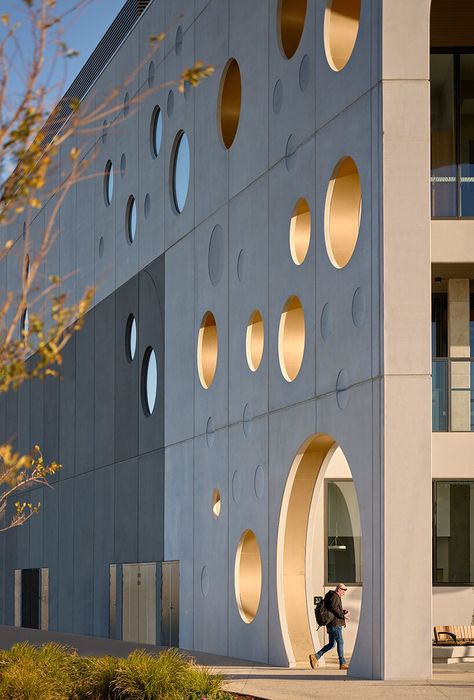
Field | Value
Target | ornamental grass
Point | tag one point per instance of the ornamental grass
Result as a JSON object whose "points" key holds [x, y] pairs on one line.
{"points": [[54, 672]]}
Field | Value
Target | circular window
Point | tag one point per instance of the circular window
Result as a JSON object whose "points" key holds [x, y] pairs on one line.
{"points": [[248, 576], [342, 212], [291, 338], [181, 167], [178, 43], [255, 340], [147, 206], [207, 350], [230, 94], [108, 182], [149, 381], [131, 219], [341, 26], [156, 131], [300, 231], [24, 322], [26, 266], [131, 338], [216, 503], [151, 74], [291, 18]]}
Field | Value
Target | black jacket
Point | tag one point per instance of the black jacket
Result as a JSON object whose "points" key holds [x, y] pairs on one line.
{"points": [[333, 602]]}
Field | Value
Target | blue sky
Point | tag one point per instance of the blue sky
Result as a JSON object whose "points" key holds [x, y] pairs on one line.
{"points": [[82, 32]]}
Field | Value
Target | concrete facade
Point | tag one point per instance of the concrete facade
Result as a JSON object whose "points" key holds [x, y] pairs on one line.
{"points": [[137, 488]]}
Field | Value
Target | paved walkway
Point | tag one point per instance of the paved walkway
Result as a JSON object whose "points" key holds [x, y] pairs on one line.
{"points": [[452, 682]]}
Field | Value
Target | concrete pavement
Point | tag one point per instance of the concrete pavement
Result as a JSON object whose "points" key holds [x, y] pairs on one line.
{"points": [[450, 682]]}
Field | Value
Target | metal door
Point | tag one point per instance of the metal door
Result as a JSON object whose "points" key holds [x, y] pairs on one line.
{"points": [[170, 603]]}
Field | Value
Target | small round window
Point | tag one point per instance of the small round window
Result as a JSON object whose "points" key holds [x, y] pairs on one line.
{"points": [[131, 219], [207, 350], [25, 322], [291, 19], [181, 168], [342, 212], [131, 338], [341, 27], [156, 131], [300, 231], [108, 182], [26, 267], [230, 95], [149, 381], [255, 340], [216, 503]]}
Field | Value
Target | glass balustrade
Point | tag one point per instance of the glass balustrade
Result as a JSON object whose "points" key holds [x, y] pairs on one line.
{"points": [[453, 395]]}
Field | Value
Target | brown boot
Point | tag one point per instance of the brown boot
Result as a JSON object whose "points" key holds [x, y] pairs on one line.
{"points": [[343, 667], [313, 660]]}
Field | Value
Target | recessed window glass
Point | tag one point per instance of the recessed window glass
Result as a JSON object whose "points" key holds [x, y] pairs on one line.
{"points": [[131, 219], [108, 183], [454, 522], [131, 337], [181, 170], [291, 19], [126, 104], [149, 381], [344, 533], [300, 231], [230, 95], [341, 26], [156, 131]]}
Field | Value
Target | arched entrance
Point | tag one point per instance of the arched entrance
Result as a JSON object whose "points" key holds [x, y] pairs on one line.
{"points": [[302, 533]]}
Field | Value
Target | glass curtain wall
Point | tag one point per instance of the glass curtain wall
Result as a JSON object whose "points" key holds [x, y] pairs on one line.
{"points": [[453, 510], [452, 134], [439, 350]]}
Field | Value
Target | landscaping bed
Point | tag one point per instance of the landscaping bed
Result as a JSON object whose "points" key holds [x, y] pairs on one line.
{"points": [[54, 672]]}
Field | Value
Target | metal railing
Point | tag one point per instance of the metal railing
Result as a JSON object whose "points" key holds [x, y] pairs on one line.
{"points": [[453, 394]]}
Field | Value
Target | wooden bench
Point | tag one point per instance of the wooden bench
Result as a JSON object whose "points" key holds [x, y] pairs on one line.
{"points": [[453, 635]]}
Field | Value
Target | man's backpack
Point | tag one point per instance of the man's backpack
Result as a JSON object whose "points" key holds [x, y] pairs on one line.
{"points": [[323, 615]]}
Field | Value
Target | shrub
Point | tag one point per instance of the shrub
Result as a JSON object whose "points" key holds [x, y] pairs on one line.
{"points": [[97, 674], [54, 672], [30, 673]]}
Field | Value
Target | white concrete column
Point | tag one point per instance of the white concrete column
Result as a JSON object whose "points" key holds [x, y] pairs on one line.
{"points": [[459, 346], [406, 537]]}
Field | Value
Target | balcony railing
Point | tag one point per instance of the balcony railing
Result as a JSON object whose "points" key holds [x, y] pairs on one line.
{"points": [[453, 394]]}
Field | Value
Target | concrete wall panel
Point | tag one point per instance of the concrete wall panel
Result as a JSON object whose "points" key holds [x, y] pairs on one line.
{"points": [[83, 553], [180, 353]]}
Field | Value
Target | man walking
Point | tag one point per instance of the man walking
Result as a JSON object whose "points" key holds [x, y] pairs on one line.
{"points": [[333, 603]]}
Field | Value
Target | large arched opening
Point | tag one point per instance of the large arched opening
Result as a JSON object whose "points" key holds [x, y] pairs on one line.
{"points": [[319, 543]]}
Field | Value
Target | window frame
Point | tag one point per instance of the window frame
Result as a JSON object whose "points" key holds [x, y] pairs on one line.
{"points": [[456, 51], [327, 583], [445, 584]]}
